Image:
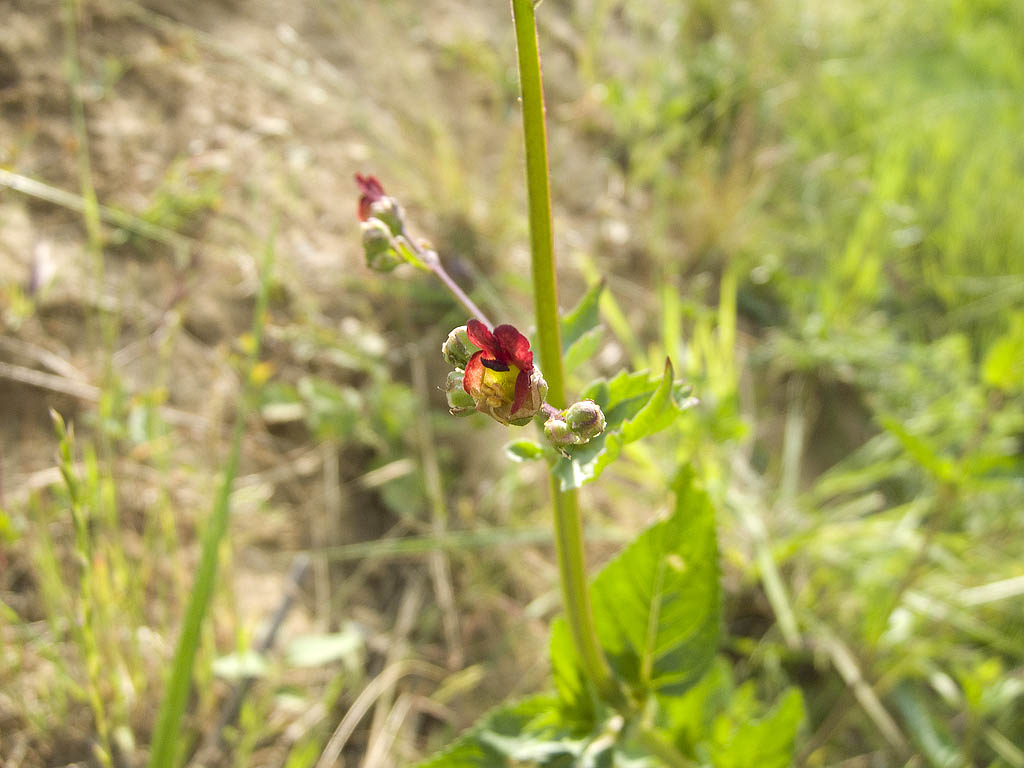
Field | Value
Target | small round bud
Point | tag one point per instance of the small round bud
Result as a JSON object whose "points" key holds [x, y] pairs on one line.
{"points": [[576, 425], [557, 431], [585, 419], [457, 349], [379, 247], [389, 211], [460, 402]]}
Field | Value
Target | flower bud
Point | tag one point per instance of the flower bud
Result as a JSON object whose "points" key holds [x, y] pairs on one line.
{"points": [[457, 349], [460, 402], [378, 246], [388, 210], [557, 431], [576, 425], [585, 419]]}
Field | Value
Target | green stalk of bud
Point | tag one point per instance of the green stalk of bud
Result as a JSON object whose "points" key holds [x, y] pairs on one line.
{"points": [[457, 348]]}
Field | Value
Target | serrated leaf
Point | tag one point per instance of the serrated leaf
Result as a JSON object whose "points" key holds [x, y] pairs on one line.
{"points": [[528, 730], [739, 740], [318, 650], [634, 407], [570, 683], [524, 450], [689, 717], [581, 318], [657, 606]]}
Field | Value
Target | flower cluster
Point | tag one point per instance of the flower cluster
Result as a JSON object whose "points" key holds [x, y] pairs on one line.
{"points": [[499, 378], [493, 371], [381, 221], [576, 425]]}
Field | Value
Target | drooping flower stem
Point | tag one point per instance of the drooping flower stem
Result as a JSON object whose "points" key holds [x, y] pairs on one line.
{"points": [[433, 263], [458, 293], [568, 523]]}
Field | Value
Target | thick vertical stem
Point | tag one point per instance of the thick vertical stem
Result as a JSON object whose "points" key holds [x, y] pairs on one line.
{"points": [[568, 524]]}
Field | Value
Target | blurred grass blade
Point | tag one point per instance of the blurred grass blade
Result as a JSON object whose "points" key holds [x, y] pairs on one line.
{"points": [[166, 737]]}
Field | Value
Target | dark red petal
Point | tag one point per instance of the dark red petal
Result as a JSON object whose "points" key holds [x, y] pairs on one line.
{"points": [[515, 347], [370, 187], [482, 337], [371, 190], [522, 391], [474, 375]]}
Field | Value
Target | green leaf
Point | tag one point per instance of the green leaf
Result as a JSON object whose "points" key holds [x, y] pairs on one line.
{"points": [[1003, 367], [740, 740], [582, 318], [584, 349], [920, 450], [318, 650], [574, 694], [928, 732], [689, 717], [634, 407], [524, 450], [528, 731], [8, 533], [657, 606]]}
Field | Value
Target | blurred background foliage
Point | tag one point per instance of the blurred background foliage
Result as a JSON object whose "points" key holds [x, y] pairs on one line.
{"points": [[814, 209]]}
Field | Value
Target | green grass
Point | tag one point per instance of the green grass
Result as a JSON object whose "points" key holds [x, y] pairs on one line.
{"points": [[821, 210]]}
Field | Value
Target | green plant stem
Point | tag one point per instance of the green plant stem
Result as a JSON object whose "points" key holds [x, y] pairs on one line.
{"points": [[166, 737], [568, 522]]}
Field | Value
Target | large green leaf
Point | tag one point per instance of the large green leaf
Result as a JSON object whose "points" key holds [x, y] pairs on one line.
{"points": [[657, 606], [529, 731], [634, 406], [574, 694], [741, 740]]}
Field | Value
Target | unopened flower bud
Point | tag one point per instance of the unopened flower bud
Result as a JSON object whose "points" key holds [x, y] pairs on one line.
{"points": [[576, 425], [585, 419], [457, 349], [557, 431], [379, 247], [460, 402], [389, 211]]}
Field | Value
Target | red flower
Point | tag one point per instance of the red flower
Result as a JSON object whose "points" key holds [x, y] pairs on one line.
{"points": [[371, 190], [499, 350]]}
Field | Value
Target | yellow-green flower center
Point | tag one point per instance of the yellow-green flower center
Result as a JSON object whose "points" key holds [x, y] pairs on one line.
{"points": [[498, 388]]}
